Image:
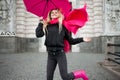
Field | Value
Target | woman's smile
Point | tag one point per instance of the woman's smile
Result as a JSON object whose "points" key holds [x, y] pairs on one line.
{"points": [[54, 14]]}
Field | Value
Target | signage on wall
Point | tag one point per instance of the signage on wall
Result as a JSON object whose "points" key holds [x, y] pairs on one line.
{"points": [[7, 33]]}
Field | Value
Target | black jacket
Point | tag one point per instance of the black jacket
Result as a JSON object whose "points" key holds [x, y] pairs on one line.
{"points": [[55, 40]]}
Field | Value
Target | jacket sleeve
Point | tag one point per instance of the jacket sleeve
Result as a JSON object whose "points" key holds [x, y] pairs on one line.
{"points": [[39, 30], [71, 40]]}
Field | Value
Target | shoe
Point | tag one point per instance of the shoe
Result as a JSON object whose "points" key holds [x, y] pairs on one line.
{"points": [[80, 74]]}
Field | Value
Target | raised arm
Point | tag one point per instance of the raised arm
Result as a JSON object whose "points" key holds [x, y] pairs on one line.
{"points": [[39, 30]]}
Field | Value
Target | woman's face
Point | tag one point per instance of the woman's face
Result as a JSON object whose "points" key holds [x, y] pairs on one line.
{"points": [[54, 14]]}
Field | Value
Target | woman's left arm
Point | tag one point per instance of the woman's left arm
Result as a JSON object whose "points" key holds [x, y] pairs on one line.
{"points": [[75, 40], [72, 40]]}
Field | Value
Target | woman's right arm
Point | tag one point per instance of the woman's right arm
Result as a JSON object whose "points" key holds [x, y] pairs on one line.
{"points": [[39, 30]]}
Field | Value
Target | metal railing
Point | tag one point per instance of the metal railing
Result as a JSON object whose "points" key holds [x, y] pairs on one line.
{"points": [[117, 45], [116, 55]]}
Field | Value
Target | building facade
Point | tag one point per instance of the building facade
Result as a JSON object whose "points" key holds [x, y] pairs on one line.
{"points": [[17, 26]]}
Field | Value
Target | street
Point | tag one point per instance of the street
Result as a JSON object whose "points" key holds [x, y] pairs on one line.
{"points": [[32, 66]]}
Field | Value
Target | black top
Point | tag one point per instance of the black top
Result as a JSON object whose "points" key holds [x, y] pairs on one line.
{"points": [[55, 39]]}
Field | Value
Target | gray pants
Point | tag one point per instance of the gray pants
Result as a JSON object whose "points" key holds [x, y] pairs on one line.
{"points": [[59, 58]]}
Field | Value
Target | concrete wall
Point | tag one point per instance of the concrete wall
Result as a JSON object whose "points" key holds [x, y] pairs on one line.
{"points": [[27, 45], [21, 45], [18, 45], [7, 44], [7, 26], [95, 46], [26, 22], [112, 17], [7, 16]]}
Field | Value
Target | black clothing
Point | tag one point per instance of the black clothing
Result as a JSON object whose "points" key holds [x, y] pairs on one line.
{"points": [[60, 58], [55, 40], [55, 44]]}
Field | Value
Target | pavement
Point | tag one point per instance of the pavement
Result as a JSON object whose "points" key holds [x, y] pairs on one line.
{"points": [[32, 66]]}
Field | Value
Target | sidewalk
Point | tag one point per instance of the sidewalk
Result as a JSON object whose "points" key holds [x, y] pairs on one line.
{"points": [[32, 66]]}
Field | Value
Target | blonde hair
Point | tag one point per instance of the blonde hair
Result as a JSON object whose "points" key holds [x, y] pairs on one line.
{"points": [[60, 19]]}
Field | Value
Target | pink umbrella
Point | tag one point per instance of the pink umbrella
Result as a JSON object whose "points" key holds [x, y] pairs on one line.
{"points": [[42, 7]]}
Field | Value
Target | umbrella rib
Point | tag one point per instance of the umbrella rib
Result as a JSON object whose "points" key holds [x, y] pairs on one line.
{"points": [[38, 3], [45, 7], [53, 3]]}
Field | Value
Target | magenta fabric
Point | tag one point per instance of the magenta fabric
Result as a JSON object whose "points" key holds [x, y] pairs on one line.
{"points": [[80, 74], [42, 7], [54, 21], [66, 46], [76, 19]]}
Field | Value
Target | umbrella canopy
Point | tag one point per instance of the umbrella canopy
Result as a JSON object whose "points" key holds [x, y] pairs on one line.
{"points": [[42, 7], [76, 19]]}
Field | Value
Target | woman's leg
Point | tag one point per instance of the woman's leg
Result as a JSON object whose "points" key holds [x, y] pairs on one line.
{"points": [[51, 65], [62, 63]]}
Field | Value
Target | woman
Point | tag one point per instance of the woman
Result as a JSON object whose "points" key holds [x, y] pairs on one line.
{"points": [[55, 34]]}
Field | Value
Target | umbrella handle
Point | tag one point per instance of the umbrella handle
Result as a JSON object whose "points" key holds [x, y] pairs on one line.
{"points": [[41, 18]]}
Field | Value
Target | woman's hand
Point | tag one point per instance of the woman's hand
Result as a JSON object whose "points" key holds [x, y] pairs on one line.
{"points": [[87, 39], [41, 18], [43, 21]]}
